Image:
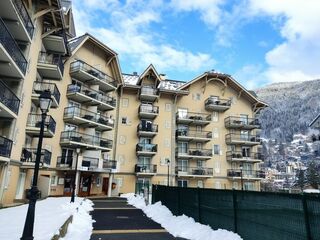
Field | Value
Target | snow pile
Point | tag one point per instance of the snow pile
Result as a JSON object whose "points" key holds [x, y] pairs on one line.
{"points": [[81, 226], [50, 215], [179, 226]]}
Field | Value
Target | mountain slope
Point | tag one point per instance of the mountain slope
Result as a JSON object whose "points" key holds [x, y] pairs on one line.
{"points": [[293, 105]]}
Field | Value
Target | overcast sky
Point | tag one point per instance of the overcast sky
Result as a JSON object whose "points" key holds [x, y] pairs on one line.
{"points": [[256, 41]]}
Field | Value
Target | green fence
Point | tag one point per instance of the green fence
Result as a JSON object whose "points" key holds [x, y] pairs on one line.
{"points": [[253, 215]]}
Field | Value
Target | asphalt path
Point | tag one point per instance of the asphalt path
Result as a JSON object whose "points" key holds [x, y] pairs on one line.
{"points": [[116, 220]]}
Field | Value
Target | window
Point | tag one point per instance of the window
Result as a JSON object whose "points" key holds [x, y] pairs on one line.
{"points": [[215, 133], [125, 102], [201, 164], [183, 165], [167, 124], [124, 120], [182, 183], [200, 184], [182, 147], [54, 180], [144, 160], [199, 146], [122, 139], [244, 135], [168, 107], [216, 149], [69, 127], [248, 186], [215, 116], [196, 96], [244, 118], [199, 129], [245, 151], [182, 113], [217, 166]]}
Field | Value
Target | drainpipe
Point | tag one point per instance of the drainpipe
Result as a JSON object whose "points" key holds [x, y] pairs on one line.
{"points": [[110, 184]]}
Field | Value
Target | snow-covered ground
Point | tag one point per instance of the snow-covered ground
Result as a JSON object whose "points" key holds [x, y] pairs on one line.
{"points": [[50, 215], [179, 226]]}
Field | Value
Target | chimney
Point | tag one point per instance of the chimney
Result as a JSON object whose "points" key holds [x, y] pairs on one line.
{"points": [[135, 73]]}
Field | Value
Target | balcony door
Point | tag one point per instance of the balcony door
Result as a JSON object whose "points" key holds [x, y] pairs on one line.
{"points": [[183, 165], [183, 113], [67, 156], [244, 135], [143, 186], [244, 118], [144, 162], [248, 169], [183, 147], [245, 152]]}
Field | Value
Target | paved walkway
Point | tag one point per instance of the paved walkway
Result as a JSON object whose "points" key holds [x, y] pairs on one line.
{"points": [[116, 220]]}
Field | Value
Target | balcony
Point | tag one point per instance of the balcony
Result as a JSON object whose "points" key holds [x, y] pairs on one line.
{"points": [[253, 157], [90, 97], [13, 63], [39, 87], [89, 163], [109, 164], [194, 172], [87, 119], [194, 153], [148, 93], [218, 105], [144, 149], [148, 111], [196, 136], [34, 124], [241, 123], [17, 19], [9, 102], [56, 42], [50, 66], [147, 129], [65, 162], [92, 76], [249, 140], [145, 169], [193, 118], [28, 157], [75, 139], [5, 148], [246, 174]]}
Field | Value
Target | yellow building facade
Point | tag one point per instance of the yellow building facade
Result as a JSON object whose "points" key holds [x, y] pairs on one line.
{"points": [[108, 132]]}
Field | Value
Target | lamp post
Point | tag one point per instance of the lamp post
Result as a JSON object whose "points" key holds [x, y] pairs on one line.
{"points": [[45, 102], [75, 176], [168, 163], [241, 168]]}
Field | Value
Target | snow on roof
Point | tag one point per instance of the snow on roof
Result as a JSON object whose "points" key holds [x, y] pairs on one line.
{"points": [[130, 79], [311, 190], [170, 84]]}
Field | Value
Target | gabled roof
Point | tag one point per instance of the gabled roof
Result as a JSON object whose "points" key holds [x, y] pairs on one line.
{"points": [[145, 72], [76, 43], [315, 122], [227, 80]]}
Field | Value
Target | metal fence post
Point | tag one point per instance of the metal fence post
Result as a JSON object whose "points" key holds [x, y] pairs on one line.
{"points": [[199, 206], [235, 208], [306, 216]]}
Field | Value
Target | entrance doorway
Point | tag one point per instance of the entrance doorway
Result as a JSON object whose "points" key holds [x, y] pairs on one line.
{"points": [[105, 185], [20, 186], [85, 184], [68, 184]]}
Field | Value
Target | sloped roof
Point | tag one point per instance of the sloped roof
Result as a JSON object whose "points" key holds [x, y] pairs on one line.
{"points": [[149, 68]]}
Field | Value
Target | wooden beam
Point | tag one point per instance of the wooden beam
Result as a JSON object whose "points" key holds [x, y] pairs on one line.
{"points": [[50, 32], [42, 12]]}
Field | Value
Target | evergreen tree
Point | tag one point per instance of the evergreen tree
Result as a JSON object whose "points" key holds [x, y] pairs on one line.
{"points": [[301, 180], [313, 177]]}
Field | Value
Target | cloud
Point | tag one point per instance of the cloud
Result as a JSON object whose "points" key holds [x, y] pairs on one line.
{"points": [[127, 28], [297, 57]]}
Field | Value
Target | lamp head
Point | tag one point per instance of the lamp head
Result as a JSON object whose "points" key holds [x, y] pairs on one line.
{"points": [[45, 101]]}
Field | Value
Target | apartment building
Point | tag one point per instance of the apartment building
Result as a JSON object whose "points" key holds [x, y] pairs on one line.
{"points": [[203, 133], [110, 132]]}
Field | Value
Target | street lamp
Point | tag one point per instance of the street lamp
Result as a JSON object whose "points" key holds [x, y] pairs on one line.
{"points": [[33, 194], [75, 176], [241, 168], [168, 163]]}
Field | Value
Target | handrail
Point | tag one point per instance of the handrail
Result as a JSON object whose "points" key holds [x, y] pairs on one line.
{"points": [[23, 13], [241, 155], [241, 121], [109, 164], [8, 98], [195, 152], [29, 155], [145, 168], [245, 173], [34, 120], [148, 128], [86, 139], [193, 133], [54, 59], [39, 87], [146, 147], [81, 65], [5, 147], [75, 111], [200, 171], [195, 116], [246, 138], [148, 108], [218, 102], [98, 95], [9, 43]]}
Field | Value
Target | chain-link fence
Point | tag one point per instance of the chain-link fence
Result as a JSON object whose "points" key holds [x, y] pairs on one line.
{"points": [[253, 215]]}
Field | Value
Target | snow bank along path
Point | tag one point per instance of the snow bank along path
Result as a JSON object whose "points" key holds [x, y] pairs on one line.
{"points": [[179, 226], [50, 215]]}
